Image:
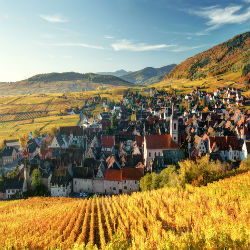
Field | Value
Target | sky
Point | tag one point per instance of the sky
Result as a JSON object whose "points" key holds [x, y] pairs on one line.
{"points": [[42, 36]]}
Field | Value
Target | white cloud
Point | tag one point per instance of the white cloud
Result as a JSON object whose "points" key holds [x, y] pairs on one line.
{"points": [[127, 45], [56, 18], [218, 16], [108, 37], [85, 45], [187, 48]]}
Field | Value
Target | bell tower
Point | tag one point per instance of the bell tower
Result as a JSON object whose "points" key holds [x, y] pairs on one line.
{"points": [[174, 126]]}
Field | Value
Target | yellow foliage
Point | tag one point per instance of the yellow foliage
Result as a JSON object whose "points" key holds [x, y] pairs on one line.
{"points": [[209, 217]]}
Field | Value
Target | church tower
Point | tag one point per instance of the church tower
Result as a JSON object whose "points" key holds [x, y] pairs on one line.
{"points": [[174, 126]]}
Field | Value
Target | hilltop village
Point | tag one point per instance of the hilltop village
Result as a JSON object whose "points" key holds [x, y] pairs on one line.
{"points": [[147, 131]]}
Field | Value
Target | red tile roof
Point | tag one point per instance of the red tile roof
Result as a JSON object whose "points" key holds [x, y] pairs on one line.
{"points": [[108, 141], [224, 142], [113, 175], [132, 173], [139, 140], [125, 174], [160, 142]]}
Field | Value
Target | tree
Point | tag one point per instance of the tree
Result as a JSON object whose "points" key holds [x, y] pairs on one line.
{"points": [[114, 122], [36, 178], [36, 133], [146, 182], [1, 144], [23, 140], [53, 131]]}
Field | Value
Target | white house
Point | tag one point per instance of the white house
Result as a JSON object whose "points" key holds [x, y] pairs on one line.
{"points": [[245, 152], [154, 145]]}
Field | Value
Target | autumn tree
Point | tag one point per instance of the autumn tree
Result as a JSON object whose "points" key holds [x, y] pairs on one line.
{"points": [[23, 140], [35, 178]]}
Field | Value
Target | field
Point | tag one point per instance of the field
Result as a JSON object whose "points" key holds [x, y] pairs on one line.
{"points": [[24, 114], [207, 84], [212, 217], [13, 129]]}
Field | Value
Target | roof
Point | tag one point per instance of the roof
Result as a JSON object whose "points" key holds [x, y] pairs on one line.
{"points": [[108, 141], [248, 146], [224, 142], [139, 140], [132, 173], [8, 151], [14, 183], [160, 142], [83, 172], [77, 131], [60, 177], [113, 175]]}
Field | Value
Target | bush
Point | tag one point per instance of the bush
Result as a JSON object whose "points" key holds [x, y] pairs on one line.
{"points": [[195, 173]]}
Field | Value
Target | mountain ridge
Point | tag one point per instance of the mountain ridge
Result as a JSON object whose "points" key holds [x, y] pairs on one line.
{"points": [[229, 56], [62, 82], [148, 75]]}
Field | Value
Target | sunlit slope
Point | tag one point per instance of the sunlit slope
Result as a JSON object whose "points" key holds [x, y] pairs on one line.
{"points": [[230, 56]]}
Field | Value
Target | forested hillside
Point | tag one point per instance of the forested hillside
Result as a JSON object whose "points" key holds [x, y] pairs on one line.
{"points": [[230, 56], [148, 75], [61, 83]]}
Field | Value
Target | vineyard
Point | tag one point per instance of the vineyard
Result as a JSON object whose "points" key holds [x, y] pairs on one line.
{"points": [[22, 116], [212, 217]]}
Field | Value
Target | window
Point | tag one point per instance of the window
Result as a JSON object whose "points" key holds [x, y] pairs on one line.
{"points": [[125, 187], [149, 154], [174, 126], [159, 153], [155, 153], [114, 188]]}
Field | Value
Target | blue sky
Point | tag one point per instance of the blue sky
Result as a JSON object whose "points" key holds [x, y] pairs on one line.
{"points": [[40, 36]]}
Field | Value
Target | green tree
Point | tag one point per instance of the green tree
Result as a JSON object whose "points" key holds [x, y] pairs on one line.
{"points": [[114, 122], [146, 182], [36, 178]]}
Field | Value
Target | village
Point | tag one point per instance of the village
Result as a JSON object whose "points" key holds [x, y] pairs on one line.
{"points": [[147, 131]]}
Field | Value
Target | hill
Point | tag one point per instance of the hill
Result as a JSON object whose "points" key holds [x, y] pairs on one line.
{"points": [[230, 56], [61, 83], [117, 73], [148, 75], [215, 216]]}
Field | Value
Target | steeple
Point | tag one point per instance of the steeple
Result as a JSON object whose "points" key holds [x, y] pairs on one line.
{"points": [[174, 126]]}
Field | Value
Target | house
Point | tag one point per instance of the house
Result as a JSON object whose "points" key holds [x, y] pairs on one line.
{"points": [[131, 179], [2, 190], [74, 134], [59, 142], [61, 183], [12, 143], [8, 156], [14, 186], [33, 147], [82, 179], [154, 145], [227, 146], [113, 181], [107, 143], [245, 152]]}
